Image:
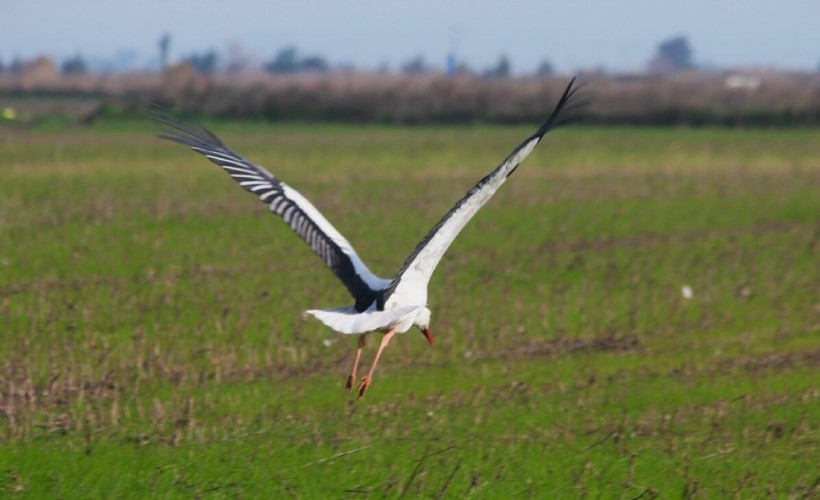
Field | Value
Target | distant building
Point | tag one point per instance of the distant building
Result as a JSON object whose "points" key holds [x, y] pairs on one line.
{"points": [[739, 81], [40, 72]]}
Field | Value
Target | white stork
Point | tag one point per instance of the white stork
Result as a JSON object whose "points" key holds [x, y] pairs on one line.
{"points": [[385, 305]]}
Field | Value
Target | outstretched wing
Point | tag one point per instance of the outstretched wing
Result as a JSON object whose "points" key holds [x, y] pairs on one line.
{"points": [[305, 219], [410, 284]]}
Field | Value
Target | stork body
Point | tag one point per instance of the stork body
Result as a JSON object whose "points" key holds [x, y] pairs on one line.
{"points": [[385, 305]]}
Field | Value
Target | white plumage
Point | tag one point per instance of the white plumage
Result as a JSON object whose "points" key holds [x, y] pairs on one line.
{"points": [[350, 321], [390, 306]]}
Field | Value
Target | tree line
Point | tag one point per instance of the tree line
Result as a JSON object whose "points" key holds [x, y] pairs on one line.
{"points": [[673, 54]]}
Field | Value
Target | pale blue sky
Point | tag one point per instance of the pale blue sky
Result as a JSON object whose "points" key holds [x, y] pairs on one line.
{"points": [[617, 35]]}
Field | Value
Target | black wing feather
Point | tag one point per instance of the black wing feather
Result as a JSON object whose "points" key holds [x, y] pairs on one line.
{"points": [[271, 191], [545, 127]]}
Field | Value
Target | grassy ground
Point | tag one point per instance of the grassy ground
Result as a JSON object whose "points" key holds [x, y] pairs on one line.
{"points": [[152, 341]]}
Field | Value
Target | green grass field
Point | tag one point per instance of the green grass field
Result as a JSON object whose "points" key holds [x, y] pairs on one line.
{"points": [[152, 343]]}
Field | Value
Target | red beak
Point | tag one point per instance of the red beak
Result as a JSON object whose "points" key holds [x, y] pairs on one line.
{"points": [[427, 335]]}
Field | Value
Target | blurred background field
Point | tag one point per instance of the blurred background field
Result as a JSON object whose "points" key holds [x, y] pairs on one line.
{"points": [[634, 315], [153, 342], [756, 97], [671, 86]]}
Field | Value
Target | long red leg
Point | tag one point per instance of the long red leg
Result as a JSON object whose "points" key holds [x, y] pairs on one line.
{"points": [[365, 383], [352, 376]]}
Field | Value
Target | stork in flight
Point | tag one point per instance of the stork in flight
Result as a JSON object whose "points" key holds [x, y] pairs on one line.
{"points": [[388, 306]]}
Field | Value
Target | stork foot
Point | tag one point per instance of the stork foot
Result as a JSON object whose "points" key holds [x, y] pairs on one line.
{"points": [[363, 385], [352, 377]]}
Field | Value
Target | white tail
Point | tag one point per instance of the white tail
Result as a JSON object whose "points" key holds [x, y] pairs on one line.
{"points": [[348, 321]]}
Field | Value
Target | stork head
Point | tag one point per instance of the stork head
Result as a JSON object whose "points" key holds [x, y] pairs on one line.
{"points": [[422, 321]]}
